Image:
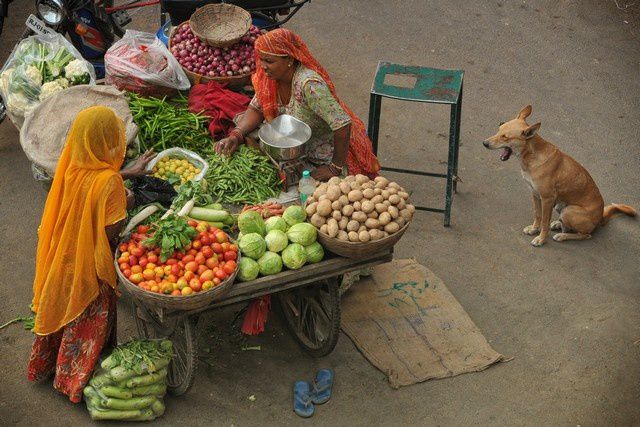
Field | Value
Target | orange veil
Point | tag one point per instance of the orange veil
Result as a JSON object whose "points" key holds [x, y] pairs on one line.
{"points": [[87, 194], [282, 42]]}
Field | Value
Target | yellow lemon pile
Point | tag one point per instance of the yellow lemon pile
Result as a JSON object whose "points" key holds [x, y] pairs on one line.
{"points": [[172, 167]]}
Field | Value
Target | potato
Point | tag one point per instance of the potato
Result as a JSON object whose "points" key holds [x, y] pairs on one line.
{"points": [[392, 227], [384, 218], [345, 187], [386, 203], [323, 197], [353, 225], [357, 206], [342, 235], [324, 229], [368, 206], [377, 199], [375, 234], [372, 223], [364, 236], [311, 208], [394, 199], [394, 185], [404, 213], [318, 220], [382, 181], [311, 200], [391, 190], [333, 192], [402, 204], [355, 195], [368, 193], [361, 179], [373, 215], [359, 216], [385, 194], [332, 227], [337, 215], [377, 191], [411, 209], [348, 210], [322, 189], [403, 194], [381, 207], [368, 186], [334, 181], [385, 234], [344, 200], [336, 206], [349, 178], [353, 236], [393, 211], [400, 221], [361, 229], [324, 208], [342, 224]]}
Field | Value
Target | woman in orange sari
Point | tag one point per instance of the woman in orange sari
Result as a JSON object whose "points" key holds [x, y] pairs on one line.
{"points": [[289, 80], [74, 287]]}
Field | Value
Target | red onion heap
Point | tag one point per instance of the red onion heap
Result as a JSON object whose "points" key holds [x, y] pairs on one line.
{"points": [[200, 58]]}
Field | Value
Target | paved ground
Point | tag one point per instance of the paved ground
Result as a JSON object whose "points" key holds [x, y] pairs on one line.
{"points": [[568, 313]]}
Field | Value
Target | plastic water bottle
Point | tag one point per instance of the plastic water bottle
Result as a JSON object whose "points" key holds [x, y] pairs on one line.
{"points": [[306, 186]]}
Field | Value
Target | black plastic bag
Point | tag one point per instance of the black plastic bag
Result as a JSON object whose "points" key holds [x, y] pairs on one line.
{"points": [[148, 189]]}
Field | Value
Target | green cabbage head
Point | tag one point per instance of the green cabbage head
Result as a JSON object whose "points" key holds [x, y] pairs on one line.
{"points": [[252, 245]]}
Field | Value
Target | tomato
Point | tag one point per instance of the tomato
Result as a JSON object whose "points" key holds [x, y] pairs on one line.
{"points": [[195, 285], [138, 252], [225, 247], [170, 261], [123, 260], [200, 259], [179, 255], [207, 251], [221, 237], [160, 271], [207, 285], [201, 269], [151, 283], [192, 223], [136, 269], [131, 247], [143, 262], [217, 248], [205, 240], [233, 247], [188, 258], [127, 273], [213, 229], [148, 274], [221, 274], [192, 252], [123, 247], [229, 267], [191, 266], [207, 275], [187, 248], [124, 266], [143, 229], [230, 256], [212, 236], [211, 262], [175, 269], [182, 282], [187, 291], [151, 265], [197, 245], [189, 275], [133, 260], [176, 292], [217, 281], [155, 289], [221, 257], [136, 278]]}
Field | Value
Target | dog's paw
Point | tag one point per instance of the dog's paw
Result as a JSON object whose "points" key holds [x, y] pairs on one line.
{"points": [[538, 241], [556, 226], [560, 237], [531, 230]]}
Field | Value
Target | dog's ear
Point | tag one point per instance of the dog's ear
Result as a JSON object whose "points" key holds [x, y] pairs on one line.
{"points": [[524, 113], [531, 130]]}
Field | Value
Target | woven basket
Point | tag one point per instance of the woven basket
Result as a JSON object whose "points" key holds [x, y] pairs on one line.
{"points": [[195, 78], [194, 301], [220, 25], [359, 250]]}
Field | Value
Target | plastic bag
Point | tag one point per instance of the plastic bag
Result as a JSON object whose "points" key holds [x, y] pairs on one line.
{"points": [[181, 153], [141, 63], [147, 189], [39, 67]]}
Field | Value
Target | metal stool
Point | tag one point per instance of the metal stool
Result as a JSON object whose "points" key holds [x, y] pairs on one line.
{"points": [[432, 86]]}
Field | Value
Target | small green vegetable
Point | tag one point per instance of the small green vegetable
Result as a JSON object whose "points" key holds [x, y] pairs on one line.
{"points": [[251, 222], [294, 214], [252, 245], [270, 263], [248, 269], [294, 256], [303, 233], [315, 252], [276, 240]]}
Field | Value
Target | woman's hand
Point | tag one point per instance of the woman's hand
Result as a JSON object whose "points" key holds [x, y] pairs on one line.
{"points": [[323, 173], [227, 146], [139, 168]]}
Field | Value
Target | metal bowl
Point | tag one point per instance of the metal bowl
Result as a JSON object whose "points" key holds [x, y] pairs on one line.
{"points": [[285, 137]]}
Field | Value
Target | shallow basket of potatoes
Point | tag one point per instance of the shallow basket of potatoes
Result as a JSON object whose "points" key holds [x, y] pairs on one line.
{"points": [[356, 216]]}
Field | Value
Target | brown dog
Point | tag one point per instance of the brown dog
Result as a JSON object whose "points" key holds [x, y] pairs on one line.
{"points": [[556, 180]]}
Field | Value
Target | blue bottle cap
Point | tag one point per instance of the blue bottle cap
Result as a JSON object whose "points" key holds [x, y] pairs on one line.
{"points": [[306, 174]]}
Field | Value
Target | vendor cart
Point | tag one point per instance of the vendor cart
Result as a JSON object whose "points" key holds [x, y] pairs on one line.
{"points": [[309, 298]]}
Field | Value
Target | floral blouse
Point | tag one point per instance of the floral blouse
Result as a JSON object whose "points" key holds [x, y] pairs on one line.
{"points": [[312, 102]]}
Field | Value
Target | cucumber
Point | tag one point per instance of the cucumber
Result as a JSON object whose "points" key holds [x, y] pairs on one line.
{"points": [[216, 206], [101, 380], [209, 215], [147, 379], [97, 414], [117, 392], [127, 404], [158, 407], [120, 373], [158, 389]]}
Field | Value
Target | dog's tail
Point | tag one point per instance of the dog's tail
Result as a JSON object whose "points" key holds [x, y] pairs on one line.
{"points": [[614, 208]]}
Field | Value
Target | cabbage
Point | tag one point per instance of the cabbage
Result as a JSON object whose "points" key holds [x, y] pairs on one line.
{"points": [[294, 215], [252, 245], [315, 252], [303, 233], [275, 223], [276, 240], [294, 256], [251, 222], [248, 269], [270, 263]]}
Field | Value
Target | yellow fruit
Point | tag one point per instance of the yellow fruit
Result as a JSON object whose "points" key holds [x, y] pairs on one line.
{"points": [[187, 291]]}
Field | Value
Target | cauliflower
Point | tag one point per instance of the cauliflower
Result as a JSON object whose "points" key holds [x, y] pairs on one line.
{"points": [[76, 71], [33, 76], [5, 79], [18, 104], [63, 82], [51, 88]]}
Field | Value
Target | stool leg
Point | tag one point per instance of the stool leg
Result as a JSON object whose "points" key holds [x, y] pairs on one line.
{"points": [[450, 167], [457, 140], [374, 120]]}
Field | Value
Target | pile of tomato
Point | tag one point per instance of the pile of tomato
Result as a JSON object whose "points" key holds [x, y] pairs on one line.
{"points": [[206, 263]]}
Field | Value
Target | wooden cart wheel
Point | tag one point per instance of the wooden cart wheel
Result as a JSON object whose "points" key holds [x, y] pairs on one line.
{"points": [[312, 314], [182, 333]]}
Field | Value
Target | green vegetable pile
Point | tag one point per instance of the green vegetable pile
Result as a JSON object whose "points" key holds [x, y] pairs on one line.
{"points": [[246, 177], [163, 124], [170, 234], [281, 242], [131, 383]]}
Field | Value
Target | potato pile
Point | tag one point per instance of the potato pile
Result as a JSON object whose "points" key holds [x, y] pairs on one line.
{"points": [[357, 209]]}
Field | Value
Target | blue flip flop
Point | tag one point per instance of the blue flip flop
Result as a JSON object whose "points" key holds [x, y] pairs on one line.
{"points": [[322, 386], [302, 401]]}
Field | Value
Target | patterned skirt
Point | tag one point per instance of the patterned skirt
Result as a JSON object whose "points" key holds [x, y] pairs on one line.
{"points": [[72, 352]]}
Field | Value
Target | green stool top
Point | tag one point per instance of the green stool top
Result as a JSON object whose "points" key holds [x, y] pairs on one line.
{"points": [[431, 84]]}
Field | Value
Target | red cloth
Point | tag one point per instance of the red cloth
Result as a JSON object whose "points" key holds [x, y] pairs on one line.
{"points": [[256, 316], [219, 104], [72, 352]]}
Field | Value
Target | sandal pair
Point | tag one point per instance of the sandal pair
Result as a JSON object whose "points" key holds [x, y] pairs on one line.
{"points": [[305, 396]]}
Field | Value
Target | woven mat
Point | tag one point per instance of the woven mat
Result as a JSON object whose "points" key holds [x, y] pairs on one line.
{"points": [[407, 324]]}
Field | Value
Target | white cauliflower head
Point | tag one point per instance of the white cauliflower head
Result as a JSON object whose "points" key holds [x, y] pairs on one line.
{"points": [[33, 76], [75, 68], [51, 88]]}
